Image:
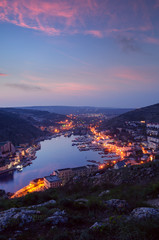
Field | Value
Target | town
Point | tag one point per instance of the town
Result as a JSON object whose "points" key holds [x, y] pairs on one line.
{"points": [[134, 144]]}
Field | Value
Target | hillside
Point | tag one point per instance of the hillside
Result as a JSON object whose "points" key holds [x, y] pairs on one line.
{"points": [[80, 110], [19, 126], [148, 114], [37, 116], [91, 209], [16, 129]]}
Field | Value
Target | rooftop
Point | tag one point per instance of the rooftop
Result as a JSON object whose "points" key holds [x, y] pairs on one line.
{"points": [[78, 168], [63, 169], [3, 143], [121, 164], [52, 178]]}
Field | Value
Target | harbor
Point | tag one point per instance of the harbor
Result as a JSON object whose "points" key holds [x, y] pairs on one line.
{"points": [[54, 154]]}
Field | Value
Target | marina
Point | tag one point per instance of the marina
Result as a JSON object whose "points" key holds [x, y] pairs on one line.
{"points": [[54, 154]]}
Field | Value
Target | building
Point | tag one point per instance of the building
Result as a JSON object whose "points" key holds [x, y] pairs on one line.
{"points": [[119, 165], [67, 173], [52, 181], [153, 135], [6, 148], [153, 142]]}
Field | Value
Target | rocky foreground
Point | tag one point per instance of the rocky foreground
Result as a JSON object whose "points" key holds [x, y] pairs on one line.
{"points": [[18, 223], [98, 207]]}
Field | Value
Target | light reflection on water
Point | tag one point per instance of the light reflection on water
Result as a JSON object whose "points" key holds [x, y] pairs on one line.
{"points": [[55, 153]]}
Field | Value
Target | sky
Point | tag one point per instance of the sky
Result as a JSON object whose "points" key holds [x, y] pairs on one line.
{"points": [[101, 53]]}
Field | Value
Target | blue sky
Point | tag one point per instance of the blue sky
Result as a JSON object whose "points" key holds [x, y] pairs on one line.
{"points": [[87, 52]]}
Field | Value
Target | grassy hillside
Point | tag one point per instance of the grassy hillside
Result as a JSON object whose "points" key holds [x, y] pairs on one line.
{"points": [[84, 205]]}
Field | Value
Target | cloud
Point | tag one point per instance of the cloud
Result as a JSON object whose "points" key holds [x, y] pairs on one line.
{"points": [[128, 44], [143, 76], [106, 18], [63, 88], [51, 17], [3, 74], [152, 40], [157, 4], [24, 87], [95, 33]]}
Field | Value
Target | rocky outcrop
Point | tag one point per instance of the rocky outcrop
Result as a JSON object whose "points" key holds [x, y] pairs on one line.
{"points": [[58, 217], [43, 204], [104, 193], [117, 205], [145, 212], [96, 225], [21, 216], [153, 202]]}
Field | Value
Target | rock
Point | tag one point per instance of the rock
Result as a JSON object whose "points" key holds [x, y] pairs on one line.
{"points": [[58, 217], [118, 205], [96, 225], [25, 216], [22, 216], [104, 193], [81, 200], [59, 213], [43, 204], [17, 233], [153, 202], [145, 212]]}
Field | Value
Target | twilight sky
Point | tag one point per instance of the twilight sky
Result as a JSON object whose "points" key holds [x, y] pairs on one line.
{"points": [[79, 52]]}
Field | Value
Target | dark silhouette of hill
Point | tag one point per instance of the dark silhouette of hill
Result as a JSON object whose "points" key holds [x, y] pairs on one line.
{"points": [[148, 114], [16, 129], [80, 110], [21, 126], [37, 117]]}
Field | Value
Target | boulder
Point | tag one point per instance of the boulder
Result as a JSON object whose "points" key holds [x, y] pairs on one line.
{"points": [[118, 205], [145, 212], [104, 193], [96, 225], [53, 202], [81, 200], [58, 217], [20, 214]]}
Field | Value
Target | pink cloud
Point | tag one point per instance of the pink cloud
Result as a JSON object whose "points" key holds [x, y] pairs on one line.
{"points": [[74, 87], [133, 76], [152, 40], [63, 87], [45, 15], [156, 4], [105, 18], [95, 33], [3, 74]]}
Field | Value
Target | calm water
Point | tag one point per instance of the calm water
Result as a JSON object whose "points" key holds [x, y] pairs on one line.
{"points": [[55, 153]]}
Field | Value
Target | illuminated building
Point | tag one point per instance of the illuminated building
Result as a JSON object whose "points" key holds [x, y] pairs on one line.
{"points": [[52, 181], [67, 173]]}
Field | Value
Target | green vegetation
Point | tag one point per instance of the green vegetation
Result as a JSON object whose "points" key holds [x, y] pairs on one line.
{"points": [[84, 205]]}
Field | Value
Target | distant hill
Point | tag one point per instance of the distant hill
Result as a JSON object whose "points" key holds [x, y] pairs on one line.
{"points": [[37, 116], [19, 126], [80, 110], [16, 129], [149, 114]]}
